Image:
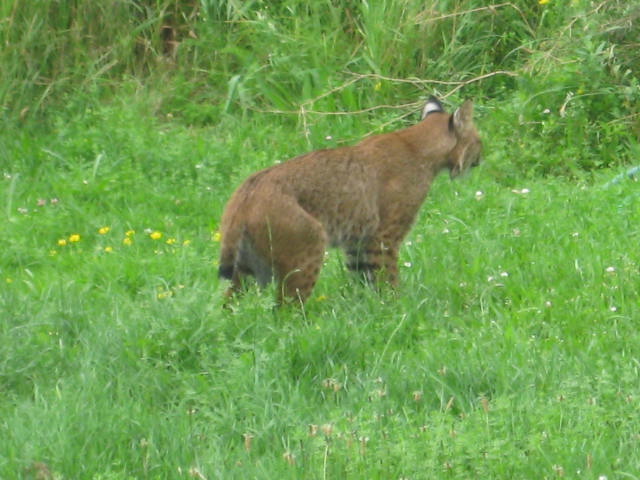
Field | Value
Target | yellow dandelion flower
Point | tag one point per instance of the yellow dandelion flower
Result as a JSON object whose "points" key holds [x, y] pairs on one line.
{"points": [[108, 249], [186, 243], [155, 235], [74, 238], [130, 233], [171, 241], [543, 2], [127, 241], [217, 237], [104, 230], [62, 242]]}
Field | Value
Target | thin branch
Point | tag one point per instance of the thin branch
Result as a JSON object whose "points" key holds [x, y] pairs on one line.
{"points": [[303, 110], [330, 92], [480, 77], [457, 85]]}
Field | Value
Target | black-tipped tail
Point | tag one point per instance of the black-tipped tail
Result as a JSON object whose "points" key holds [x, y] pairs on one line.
{"points": [[225, 271]]}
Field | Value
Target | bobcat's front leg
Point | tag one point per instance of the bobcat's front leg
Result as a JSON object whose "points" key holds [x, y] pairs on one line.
{"points": [[377, 262]]}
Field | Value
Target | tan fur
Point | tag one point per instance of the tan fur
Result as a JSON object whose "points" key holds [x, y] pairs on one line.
{"points": [[362, 198]]}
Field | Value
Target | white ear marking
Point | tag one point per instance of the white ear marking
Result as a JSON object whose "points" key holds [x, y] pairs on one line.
{"points": [[432, 105]]}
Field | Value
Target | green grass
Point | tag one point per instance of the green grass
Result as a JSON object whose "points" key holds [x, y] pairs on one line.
{"points": [[510, 350]]}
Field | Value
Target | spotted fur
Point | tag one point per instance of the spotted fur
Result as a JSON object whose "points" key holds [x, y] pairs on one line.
{"points": [[362, 199]]}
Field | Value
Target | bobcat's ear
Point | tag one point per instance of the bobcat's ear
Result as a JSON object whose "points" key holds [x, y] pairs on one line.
{"points": [[463, 117], [433, 105]]}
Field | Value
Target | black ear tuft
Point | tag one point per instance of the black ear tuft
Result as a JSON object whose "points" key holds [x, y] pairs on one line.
{"points": [[432, 105]]}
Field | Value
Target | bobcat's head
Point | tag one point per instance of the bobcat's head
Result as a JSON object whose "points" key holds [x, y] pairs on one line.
{"points": [[467, 152]]}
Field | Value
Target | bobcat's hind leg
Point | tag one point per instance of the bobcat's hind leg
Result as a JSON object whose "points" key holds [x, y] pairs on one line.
{"points": [[298, 283], [298, 243]]}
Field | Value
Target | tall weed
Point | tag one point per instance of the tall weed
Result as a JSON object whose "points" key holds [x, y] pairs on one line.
{"points": [[561, 72]]}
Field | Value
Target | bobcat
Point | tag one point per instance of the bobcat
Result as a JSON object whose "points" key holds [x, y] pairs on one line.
{"points": [[362, 198]]}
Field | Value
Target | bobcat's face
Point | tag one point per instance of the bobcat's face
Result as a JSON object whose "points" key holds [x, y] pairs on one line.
{"points": [[468, 150], [469, 156]]}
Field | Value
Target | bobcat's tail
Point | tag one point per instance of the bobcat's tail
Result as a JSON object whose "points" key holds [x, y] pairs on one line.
{"points": [[229, 253], [226, 271], [239, 257]]}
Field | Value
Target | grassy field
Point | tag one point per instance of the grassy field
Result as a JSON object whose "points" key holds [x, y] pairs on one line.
{"points": [[510, 349]]}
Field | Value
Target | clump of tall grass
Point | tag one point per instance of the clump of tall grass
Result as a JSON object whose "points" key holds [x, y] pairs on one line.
{"points": [[53, 49], [305, 60], [576, 101]]}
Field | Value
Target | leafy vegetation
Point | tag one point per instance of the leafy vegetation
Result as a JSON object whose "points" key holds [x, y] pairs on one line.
{"points": [[510, 350]]}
